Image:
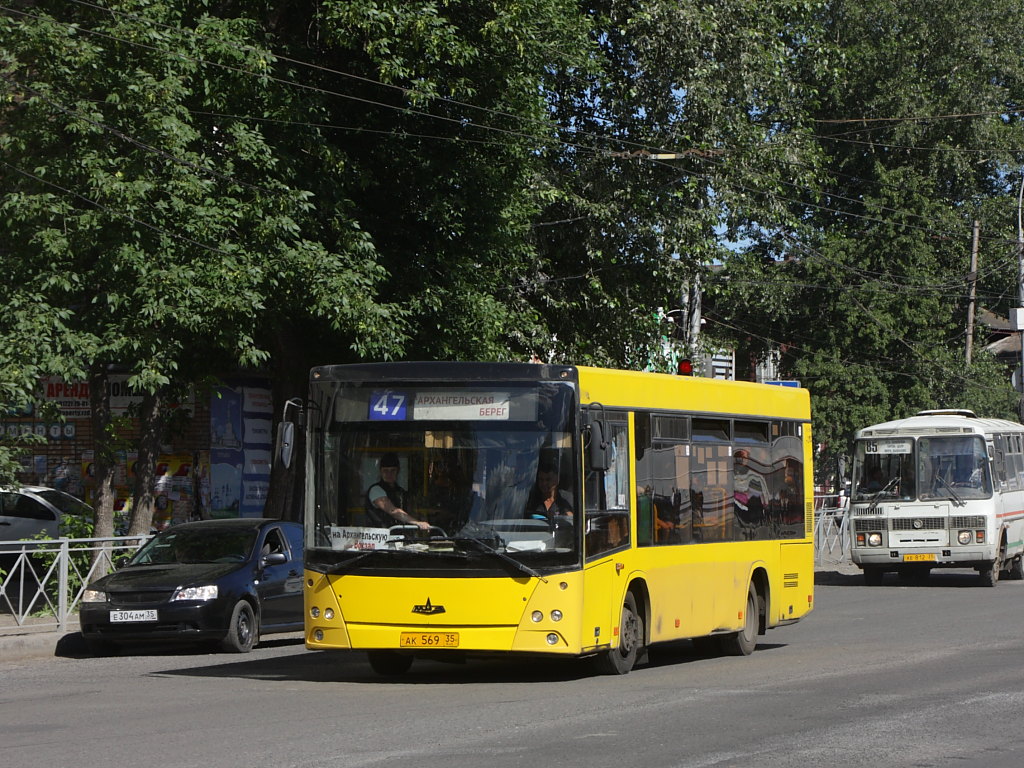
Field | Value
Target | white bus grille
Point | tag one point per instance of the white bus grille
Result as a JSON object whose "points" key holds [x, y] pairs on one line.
{"points": [[967, 521]]}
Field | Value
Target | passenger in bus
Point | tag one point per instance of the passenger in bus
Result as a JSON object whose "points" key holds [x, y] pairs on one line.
{"points": [[386, 500], [546, 501]]}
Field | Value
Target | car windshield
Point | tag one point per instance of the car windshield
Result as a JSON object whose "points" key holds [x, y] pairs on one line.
{"points": [[472, 463], [197, 545]]}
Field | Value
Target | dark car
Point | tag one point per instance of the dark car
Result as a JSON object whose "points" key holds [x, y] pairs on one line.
{"points": [[223, 581]]}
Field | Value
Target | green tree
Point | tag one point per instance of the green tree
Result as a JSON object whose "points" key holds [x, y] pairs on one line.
{"points": [[915, 123], [157, 224]]}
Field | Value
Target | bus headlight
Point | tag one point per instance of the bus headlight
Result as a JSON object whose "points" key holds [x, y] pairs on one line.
{"points": [[964, 537], [556, 615], [537, 616], [874, 539]]}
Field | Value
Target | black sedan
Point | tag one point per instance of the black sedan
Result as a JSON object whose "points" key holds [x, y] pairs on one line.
{"points": [[225, 581]]}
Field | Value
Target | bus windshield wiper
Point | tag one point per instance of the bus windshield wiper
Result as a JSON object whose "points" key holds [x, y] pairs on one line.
{"points": [[956, 497], [883, 490], [501, 556]]}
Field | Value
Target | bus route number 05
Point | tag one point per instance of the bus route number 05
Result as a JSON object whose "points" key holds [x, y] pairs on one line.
{"points": [[388, 406]]}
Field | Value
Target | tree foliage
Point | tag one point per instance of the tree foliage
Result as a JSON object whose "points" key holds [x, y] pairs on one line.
{"points": [[193, 185]]}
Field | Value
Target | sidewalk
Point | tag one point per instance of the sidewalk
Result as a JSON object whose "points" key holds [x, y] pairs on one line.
{"points": [[24, 643]]}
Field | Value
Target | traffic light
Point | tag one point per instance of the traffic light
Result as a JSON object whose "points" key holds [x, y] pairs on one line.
{"points": [[684, 367]]}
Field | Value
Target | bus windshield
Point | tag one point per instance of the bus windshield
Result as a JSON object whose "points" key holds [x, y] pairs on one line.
{"points": [[884, 469], [953, 467], [491, 469], [939, 467]]}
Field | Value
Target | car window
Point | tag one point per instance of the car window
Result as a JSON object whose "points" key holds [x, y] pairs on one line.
{"points": [[65, 502], [294, 534], [273, 543], [20, 505]]}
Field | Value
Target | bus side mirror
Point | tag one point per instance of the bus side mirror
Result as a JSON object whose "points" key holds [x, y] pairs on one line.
{"points": [[599, 452], [285, 442]]}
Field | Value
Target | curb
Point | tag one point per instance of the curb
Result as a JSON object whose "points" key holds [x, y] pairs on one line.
{"points": [[41, 645]]}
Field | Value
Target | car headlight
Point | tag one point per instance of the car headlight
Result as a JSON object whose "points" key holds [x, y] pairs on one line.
{"points": [[964, 537], [205, 592], [94, 596], [874, 539]]}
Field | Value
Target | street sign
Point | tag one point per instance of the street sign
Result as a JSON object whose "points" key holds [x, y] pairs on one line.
{"points": [[790, 383]]}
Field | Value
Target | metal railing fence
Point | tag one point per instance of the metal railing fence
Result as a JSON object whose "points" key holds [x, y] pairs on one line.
{"points": [[831, 530], [42, 581]]}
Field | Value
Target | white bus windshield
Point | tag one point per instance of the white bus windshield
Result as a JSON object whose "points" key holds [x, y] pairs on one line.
{"points": [[929, 468], [953, 467]]}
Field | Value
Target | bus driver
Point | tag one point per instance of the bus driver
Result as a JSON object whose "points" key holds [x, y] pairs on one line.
{"points": [[386, 499]]}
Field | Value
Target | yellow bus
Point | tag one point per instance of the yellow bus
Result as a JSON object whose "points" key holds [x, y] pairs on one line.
{"points": [[455, 510]]}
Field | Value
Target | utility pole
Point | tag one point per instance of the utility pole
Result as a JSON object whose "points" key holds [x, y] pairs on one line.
{"points": [[972, 288], [1018, 314]]}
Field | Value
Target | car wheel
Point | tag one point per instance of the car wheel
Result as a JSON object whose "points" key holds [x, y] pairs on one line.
{"points": [[243, 631]]}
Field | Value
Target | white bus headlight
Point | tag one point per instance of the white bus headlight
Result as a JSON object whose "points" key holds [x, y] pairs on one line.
{"points": [[964, 537], [874, 539]]}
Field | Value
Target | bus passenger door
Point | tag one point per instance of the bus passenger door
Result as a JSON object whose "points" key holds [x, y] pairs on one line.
{"points": [[601, 606]]}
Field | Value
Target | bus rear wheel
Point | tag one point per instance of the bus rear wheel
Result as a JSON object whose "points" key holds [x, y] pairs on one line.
{"points": [[742, 643], [619, 661]]}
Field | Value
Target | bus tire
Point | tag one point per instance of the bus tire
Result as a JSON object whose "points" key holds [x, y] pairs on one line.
{"points": [[989, 574], [389, 663], [742, 643], [620, 660], [873, 577], [1016, 570]]}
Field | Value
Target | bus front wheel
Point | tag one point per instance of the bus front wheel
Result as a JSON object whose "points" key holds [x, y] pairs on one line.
{"points": [[989, 574], [389, 663], [1016, 570], [873, 577], [619, 661]]}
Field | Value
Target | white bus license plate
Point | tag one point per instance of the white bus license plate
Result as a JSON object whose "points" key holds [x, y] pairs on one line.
{"points": [[127, 617], [929, 558]]}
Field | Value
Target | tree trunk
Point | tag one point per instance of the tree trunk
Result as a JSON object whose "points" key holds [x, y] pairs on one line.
{"points": [[151, 421], [103, 462]]}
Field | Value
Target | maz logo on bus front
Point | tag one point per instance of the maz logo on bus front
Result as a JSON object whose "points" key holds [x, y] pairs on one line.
{"points": [[428, 609]]}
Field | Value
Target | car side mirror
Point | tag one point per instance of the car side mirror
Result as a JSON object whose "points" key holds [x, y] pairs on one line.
{"points": [[274, 558]]}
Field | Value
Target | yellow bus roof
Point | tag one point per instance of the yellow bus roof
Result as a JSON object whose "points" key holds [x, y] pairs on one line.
{"points": [[662, 391]]}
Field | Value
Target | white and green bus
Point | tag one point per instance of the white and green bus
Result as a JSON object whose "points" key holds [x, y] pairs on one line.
{"points": [[942, 489]]}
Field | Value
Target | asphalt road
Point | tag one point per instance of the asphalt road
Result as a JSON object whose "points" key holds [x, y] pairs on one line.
{"points": [[923, 675]]}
